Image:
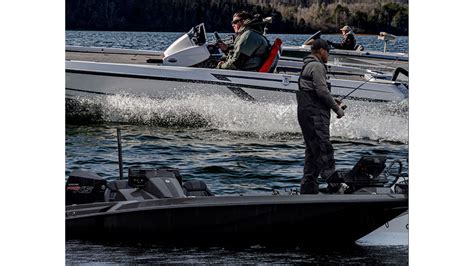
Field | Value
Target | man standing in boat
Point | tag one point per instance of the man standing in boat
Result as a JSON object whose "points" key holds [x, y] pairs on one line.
{"points": [[348, 41], [314, 113], [250, 46]]}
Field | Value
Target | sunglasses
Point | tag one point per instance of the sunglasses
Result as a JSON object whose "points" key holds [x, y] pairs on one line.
{"points": [[236, 21]]}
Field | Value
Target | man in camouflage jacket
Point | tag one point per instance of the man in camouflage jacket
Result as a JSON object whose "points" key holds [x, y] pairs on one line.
{"points": [[250, 47]]}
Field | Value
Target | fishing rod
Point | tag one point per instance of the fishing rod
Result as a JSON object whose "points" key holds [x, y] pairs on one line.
{"points": [[358, 87], [339, 101]]}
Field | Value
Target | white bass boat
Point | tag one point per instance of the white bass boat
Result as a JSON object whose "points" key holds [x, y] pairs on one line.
{"points": [[292, 56], [186, 68]]}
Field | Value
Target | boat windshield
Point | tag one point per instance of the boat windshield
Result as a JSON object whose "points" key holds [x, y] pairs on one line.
{"points": [[198, 34]]}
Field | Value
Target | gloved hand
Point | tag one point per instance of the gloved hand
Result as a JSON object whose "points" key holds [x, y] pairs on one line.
{"points": [[339, 102], [340, 113], [224, 47]]}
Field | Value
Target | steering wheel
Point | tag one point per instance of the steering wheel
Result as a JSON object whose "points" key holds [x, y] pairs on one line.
{"points": [[217, 38]]}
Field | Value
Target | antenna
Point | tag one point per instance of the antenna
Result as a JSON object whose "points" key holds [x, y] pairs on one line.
{"points": [[119, 143]]}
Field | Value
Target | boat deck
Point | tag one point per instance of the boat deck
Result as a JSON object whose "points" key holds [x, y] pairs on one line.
{"points": [[120, 58], [123, 56]]}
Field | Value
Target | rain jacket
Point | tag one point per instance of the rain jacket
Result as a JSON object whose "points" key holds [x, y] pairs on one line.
{"points": [[314, 113], [313, 79]]}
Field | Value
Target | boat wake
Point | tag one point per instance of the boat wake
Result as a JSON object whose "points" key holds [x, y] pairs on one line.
{"points": [[363, 121]]}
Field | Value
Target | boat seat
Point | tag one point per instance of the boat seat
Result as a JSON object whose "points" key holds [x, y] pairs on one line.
{"points": [[113, 188], [118, 184], [196, 188], [272, 60]]}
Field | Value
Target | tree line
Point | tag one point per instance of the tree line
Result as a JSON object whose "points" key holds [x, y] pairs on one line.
{"points": [[289, 16]]}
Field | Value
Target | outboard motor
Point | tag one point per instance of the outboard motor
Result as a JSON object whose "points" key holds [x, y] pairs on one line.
{"points": [[84, 187]]}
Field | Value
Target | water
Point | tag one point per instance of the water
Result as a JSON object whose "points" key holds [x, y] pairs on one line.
{"points": [[161, 40], [234, 146], [88, 252]]}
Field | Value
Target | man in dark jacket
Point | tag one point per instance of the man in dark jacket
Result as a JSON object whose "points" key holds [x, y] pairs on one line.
{"points": [[314, 113], [250, 46], [348, 41]]}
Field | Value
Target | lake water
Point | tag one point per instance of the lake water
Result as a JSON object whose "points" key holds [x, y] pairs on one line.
{"points": [[161, 40], [234, 146]]}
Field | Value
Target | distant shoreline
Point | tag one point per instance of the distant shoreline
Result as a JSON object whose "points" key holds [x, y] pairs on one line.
{"points": [[295, 16]]}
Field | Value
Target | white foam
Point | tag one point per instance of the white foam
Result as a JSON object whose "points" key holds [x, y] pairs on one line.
{"points": [[367, 121]]}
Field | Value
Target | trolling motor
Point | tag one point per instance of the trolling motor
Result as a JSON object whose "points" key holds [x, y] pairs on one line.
{"points": [[367, 175]]}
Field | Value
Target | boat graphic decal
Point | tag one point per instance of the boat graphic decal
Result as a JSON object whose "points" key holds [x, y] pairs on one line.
{"points": [[241, 93], [221, 77]]}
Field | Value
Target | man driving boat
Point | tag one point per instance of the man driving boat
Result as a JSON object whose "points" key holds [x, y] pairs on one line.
{"points": [[348, 41], [250, 46]]}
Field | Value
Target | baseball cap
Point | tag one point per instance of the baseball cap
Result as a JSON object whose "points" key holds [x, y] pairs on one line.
{"points": [[320, 43], [346, 28]]}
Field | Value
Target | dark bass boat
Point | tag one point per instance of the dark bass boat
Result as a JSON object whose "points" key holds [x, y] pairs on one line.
{"points": [[156, 205]]}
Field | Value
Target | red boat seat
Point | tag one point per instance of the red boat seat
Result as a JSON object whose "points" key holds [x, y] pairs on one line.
{"points": [[272, 59]]}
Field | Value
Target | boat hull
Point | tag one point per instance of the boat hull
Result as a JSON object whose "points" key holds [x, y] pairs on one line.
{"points": [[89, 79], [267, 220]]}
